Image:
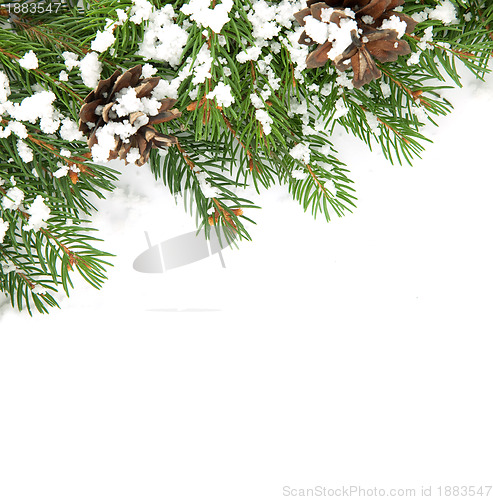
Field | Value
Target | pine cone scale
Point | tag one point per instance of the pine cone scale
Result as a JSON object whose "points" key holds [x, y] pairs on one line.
{"points": [[410, 22], [375, 8], [146, 87], [167, 104], [300, 16], [316, 10], [318, 57], [106, 111], [98, 113], [103, 87], [364, 68], [386, 51], [164, 117], [88, 111]]}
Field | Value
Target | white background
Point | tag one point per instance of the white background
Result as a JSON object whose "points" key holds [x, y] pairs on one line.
{"points": [[357, 352]]}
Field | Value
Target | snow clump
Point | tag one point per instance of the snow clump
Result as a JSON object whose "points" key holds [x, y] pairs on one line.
{"points": [[215, 18], [25, 152], [301, 152], [445, 12], [90, 69], [13, 199], [223, 95], [4, 226], [29, 60], [39, 213], [163, 39]]}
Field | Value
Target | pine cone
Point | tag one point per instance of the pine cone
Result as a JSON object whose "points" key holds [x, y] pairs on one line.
{"points": [[119, 116], [368, 38]]}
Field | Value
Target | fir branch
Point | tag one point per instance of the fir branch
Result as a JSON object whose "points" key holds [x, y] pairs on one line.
{"points": [[224, 144]]}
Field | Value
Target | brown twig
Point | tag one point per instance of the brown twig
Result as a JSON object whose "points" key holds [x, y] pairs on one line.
{"points": [[251, 163], [77, 160], [460, 53], [487, 26], [252, 68], [416, 95], [315, 178], [219, 208], [187, 159], [73, 258], [396, 132], [226, 216]]}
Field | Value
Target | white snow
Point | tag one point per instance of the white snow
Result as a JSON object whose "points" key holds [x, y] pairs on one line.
{"points": [[215, 18], [394, 23], [299, 174], [263, 117], [4, 226], [206, 187], [301, 152], [8, 267], [167, 88], [202, 67], [133, 155], [38, 289], [163, 39], [141, 11], [90, 69], [4, 89], [340, 36], [103, 41], [122, 16], [385, 87], [326, 309], [4, 132], [17, 128], [29, 60], [297, 52], [222, 94], [373, 123], [269, 19], [127, 102], [445, 12], [413, 59], [148, 70], [256, 101], [62, 170], [32, 108], [250, 54], [13, 198], [421, 16], [69, 131], [70, 59], [317, 30], [39, 213], [340, 109], [25, 152], [264, 20]]}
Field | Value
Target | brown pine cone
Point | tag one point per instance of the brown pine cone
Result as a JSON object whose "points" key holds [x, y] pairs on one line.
{"points": [[368, 37], [118, 117]]}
